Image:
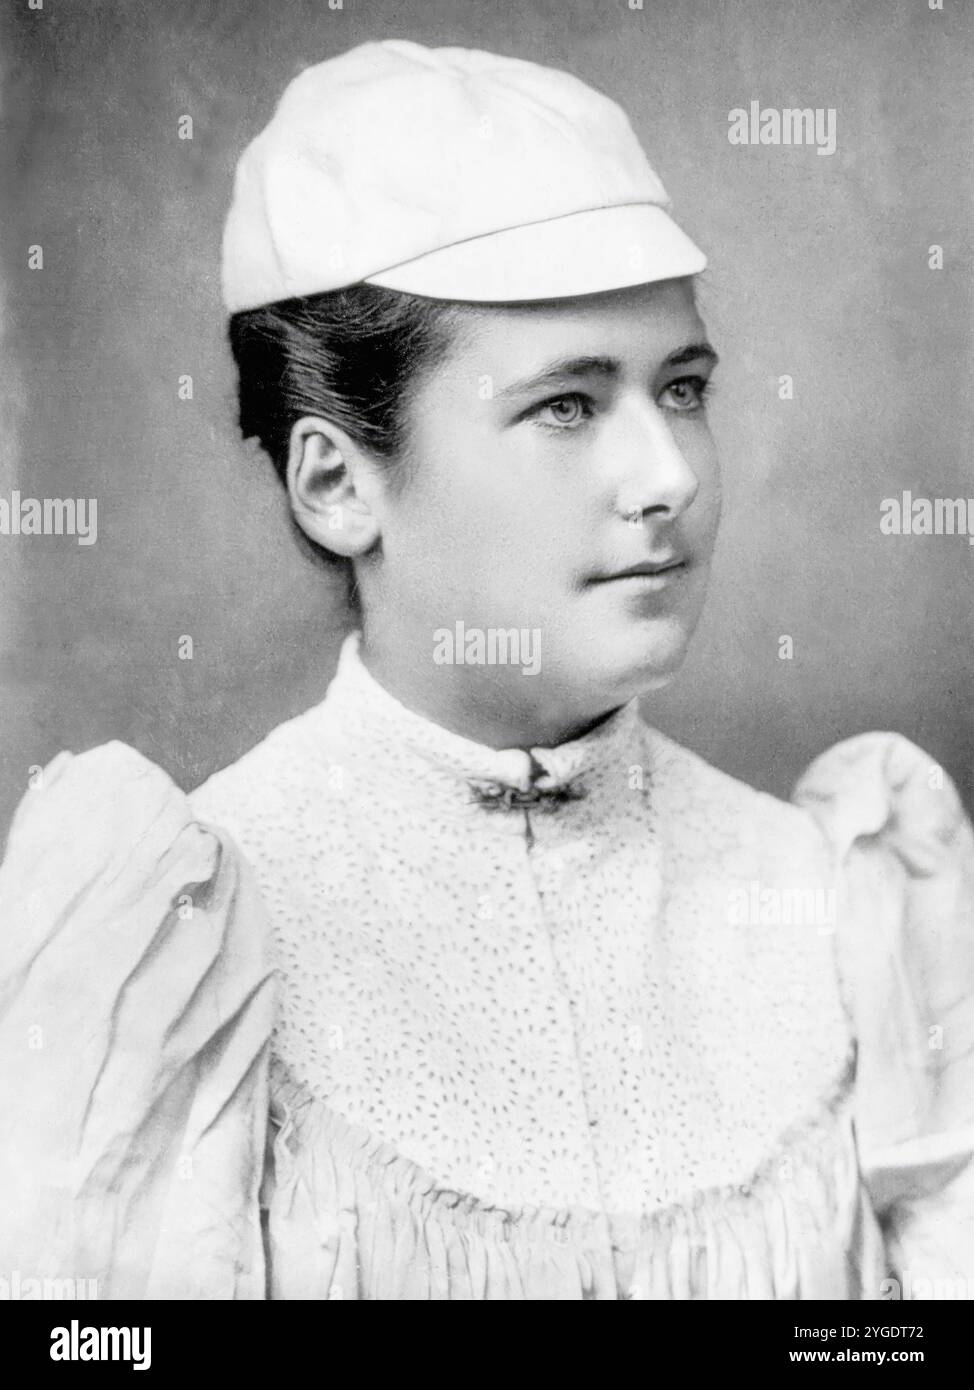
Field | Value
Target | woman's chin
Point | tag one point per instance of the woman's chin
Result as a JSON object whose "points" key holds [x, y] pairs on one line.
{"points": [[657, 681], [635, 665], [651, 659]]}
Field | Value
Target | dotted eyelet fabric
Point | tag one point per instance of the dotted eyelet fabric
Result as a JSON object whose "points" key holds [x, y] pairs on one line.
{"points": [[560, 1004]]}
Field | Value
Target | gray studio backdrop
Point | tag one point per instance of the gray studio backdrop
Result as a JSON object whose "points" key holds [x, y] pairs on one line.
{"points": [[820, 271]]}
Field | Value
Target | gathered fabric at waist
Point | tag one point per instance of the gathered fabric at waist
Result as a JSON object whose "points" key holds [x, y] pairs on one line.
{"points": [[349, 1217]]}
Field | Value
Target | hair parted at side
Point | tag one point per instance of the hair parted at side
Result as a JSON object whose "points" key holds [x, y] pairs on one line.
{"points": [[349, 355]]}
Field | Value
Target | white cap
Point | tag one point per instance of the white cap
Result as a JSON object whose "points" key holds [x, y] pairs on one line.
{"points": [[448, 173]]}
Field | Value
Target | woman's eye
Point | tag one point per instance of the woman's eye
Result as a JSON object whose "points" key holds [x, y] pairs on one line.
{"points": [[565, 412], [688, 393]]}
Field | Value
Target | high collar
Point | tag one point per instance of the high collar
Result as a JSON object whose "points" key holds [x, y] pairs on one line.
{"points": [[368, 708]]}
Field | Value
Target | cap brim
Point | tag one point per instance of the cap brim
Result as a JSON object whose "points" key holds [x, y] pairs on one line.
{"points": [[582, 253]]}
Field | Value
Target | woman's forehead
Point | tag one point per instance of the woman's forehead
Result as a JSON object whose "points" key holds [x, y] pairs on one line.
{"points": [[646, 322]]}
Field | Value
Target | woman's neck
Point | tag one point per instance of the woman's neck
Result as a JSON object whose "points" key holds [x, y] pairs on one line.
{"points": [[496, 705]]}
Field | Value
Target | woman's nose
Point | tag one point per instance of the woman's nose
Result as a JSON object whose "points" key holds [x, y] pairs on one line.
{"points": [[653, 473]]}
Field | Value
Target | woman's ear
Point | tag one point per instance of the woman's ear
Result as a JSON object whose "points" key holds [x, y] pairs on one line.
{"points": [[332, 487]]}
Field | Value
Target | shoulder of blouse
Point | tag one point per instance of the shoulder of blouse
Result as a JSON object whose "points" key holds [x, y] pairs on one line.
{"points": [[904, 850], [136, 1006], [292, 753], [688, 787]]}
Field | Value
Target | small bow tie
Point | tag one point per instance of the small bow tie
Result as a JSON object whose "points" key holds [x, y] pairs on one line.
{"points": [[495, 796], [500, 796]]}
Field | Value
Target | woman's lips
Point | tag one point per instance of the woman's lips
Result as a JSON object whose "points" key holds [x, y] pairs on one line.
{"points": [[649, 574]]}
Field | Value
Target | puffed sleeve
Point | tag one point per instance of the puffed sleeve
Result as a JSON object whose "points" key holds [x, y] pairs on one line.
{"points": [[136, 1004], [905, 947]]}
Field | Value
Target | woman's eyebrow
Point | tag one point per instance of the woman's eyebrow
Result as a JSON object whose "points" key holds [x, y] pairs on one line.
{"points": [[556, 372], [693, 353]]}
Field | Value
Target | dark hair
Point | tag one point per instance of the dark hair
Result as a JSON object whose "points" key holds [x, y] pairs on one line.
{"points": [[348, 356]]}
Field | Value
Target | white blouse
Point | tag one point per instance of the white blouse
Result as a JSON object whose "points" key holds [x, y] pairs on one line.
{"points": [[596, 1021]]}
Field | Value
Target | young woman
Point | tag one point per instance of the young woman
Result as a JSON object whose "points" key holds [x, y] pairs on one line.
{"points": [[467, 983]]}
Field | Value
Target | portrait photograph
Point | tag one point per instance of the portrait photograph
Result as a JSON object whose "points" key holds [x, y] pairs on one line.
{"points": [[487, 664]]}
